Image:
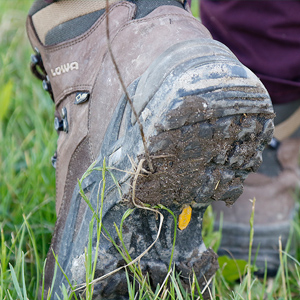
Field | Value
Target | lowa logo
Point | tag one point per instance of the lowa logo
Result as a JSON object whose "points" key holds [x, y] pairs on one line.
{"points": [[65, 68]]}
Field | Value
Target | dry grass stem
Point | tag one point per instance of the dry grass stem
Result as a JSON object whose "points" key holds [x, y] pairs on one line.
{"points": [[207, 286]]}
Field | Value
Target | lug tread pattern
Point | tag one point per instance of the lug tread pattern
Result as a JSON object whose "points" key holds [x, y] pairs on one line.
{"points": [[206, 161]]}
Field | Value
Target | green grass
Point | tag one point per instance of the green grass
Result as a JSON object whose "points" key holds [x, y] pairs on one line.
{"points": [[27, 188], [27, 142]]}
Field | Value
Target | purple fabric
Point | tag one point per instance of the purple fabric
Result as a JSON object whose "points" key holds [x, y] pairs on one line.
{"points": [[265, 36]]}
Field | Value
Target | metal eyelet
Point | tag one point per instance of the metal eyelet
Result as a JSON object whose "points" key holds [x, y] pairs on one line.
{"points": [[47, 85], [81, 97], [62, 125]]}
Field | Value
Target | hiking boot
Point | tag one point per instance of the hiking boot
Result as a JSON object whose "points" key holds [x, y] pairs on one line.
{"points": [[274, 209], [205, 117]]}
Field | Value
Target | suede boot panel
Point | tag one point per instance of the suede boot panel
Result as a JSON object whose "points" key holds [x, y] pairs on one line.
{"points": [[135, 46], [70, 146], [68, 64]]}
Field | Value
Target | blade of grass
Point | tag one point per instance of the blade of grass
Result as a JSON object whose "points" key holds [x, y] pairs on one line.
{"points": [[264, 282], [15, 282], [65, 275], [23, 278], [49, 295], [36, 255], [176, 287], [282, 270], [250, 249]]}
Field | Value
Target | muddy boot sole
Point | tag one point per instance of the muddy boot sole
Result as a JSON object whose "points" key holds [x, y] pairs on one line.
{"points": [[206, 120]]}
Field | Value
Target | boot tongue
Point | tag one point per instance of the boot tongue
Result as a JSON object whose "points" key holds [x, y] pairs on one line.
{"points": [[61, 15], [63, 20]]}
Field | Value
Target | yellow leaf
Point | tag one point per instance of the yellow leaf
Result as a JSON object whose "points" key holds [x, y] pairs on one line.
{"points": [[185, 218]]}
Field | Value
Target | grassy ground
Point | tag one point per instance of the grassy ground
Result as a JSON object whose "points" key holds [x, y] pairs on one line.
{"points": [[27, 182]]}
